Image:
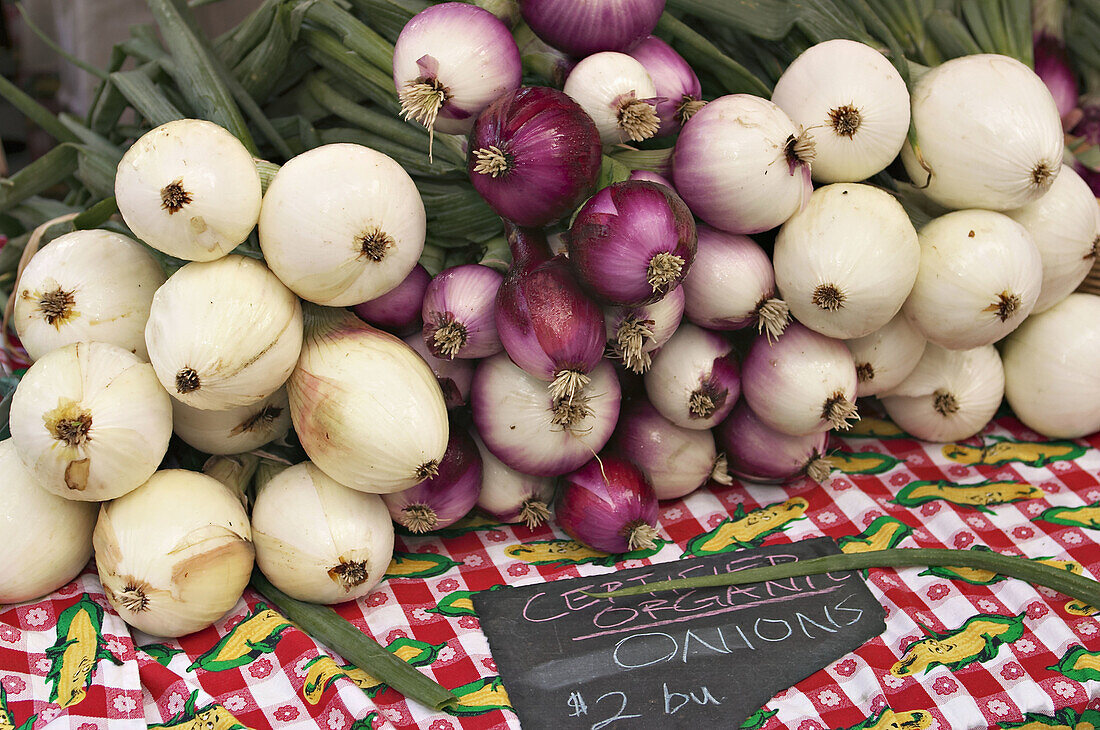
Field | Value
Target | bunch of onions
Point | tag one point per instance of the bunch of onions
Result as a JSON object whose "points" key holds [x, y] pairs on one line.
{"points": [[534, 155], [802, 383], [534, 432], [398, 310], [454, 376], [86, 285], [632, 242], [854, 102], [966, 112], [450, 61], [234, 430], [758, 453], [846, 262], [742, 165], [615, 90], [731, 285], [175, 554], [635, 332], [608, 504], [676, 460], [694, 381], [582, 28], [317, 540], [445, 498], [224, 333], [885, 357], [342, 224], [47, 539], [950, 395], [189, 188], [1052, 369], [90, 421], [458, 312], [546, 323], [679, 93], [509, 495], [980, 275], [367, 409]]}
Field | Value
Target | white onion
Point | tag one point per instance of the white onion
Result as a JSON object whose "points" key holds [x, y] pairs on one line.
{"points": [[509, 495], [694, 381], [618, 94], [853, 101], [342, 224], [86, 286], [1052, 369], [950, 395], [885, 357], [223, 334], [317, 540], [988, 131], [846, 262], [235, 430], [47, 539], [90, 421]]}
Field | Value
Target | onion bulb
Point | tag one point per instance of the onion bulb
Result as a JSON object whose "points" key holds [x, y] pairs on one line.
{"points": [[615, 90], [758, 453], [90, 421], [950, 395], [583, 27], [679, 93], [635, 332], [175, 554], [224, 333], [235, 430], [317, 540], [398, 310], [458, 312], [885, 357], [609, 505], [445, 498], [85, 286], [47, 539], [694, 380], [454, 376], [509, 495]]}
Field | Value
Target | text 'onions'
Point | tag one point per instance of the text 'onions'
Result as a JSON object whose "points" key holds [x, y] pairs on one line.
{"points": [[609, 505], [444, 499], [694, 380]]}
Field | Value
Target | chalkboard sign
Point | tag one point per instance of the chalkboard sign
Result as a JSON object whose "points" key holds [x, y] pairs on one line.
{"points": [[672, 659]]}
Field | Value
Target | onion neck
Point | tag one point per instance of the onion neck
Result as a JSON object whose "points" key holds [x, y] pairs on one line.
{"points": [[640, 535], [422, 98], [638, 119], [818, 468], [838, 411], [534, 512], [567, 384], [772, 317], [664, 271], [630, 339], [800, 150], [688, 108], [528, 246], [419, 518]]}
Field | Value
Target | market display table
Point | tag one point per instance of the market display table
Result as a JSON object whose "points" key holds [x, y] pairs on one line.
{"points": [[960, 650]]}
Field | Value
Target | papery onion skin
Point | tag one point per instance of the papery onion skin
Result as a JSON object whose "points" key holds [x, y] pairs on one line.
{"points": [[398, 310], [509, 495], [1052, 369], [458, 312], [580, 28], [694, 380], [608, 504], [653, 177], [47, 539], [758, 453], [454, 376], [675, 460], [235, 430], [885, 357], [445, 498], [534, 155], [615, 90], [514, 414], [634, 332], [678, 89], [89, 285], [632, 242]]}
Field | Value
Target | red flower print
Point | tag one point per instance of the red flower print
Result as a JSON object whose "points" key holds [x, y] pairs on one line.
{"points": [[1023, 532], [518, 569], [377, 598], [10, 633], [448, 585], [1012, 670], [395, 635], [429, 548], [929, 508], [13, 685], [489, 664], [1037, 610], [286, 713], [809, 725], [846, 668], [958, 471], [715, 520], [963, 540], [937, 591], [495, 536], [878, 703], [441, 725], [945, 685], [232, 621], [469, 622], [260, 668], [68, 588], [88, 726]]}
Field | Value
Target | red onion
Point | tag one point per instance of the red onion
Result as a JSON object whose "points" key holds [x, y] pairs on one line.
{"points": [[801, 383], [609, 505], [677, 85], [534, 432], [758, 453], [398, 310], [633, 332], [583, 27], [546, 323], [676, 460], [458, 312], [454, 376], [1052, 66], [511, 496], [694, 381], [732, 285], [632, 242], [650, 176], [445, 498]]}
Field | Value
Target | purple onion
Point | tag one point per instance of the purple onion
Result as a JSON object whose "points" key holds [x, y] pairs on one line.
{"points": [[445, 498], [398, 310], [758, 453], [458, 312], [534, 155], [511, 496], [650, 176], [583, 27], [1092, 177], [802, 383], [732, 285], [694, 381], [632, 242], [678, 87], [676, 460], [609, 505], [634, 332], [454, 376], [1052, 66], [547, 324], [534, 432]]}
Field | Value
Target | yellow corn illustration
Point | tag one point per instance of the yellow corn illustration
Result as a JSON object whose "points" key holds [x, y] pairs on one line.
{"points": [[77, 651], [748, 529], [977, 640]]}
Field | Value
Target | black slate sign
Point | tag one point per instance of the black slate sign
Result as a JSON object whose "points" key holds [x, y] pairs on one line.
{"points": [[672, 659]]}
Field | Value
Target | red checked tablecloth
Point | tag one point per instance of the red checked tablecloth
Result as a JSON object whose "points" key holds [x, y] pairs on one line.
{"points": [[961, 650]]}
